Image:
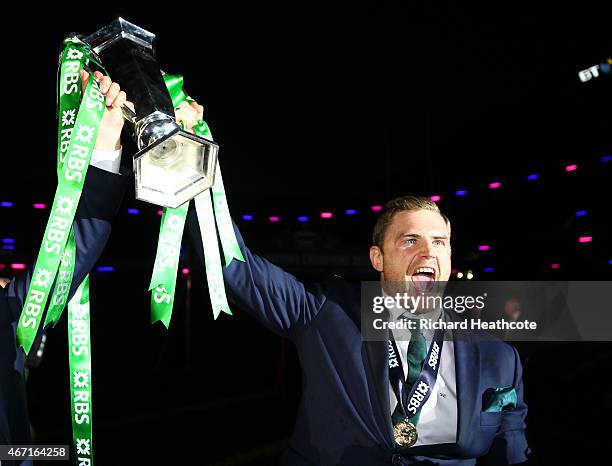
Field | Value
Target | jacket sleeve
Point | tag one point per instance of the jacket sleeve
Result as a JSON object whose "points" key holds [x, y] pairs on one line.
{"points": [[510, 445], [277, 299], [101, 197]]}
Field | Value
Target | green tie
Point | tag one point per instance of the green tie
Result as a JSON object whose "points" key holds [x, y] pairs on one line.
{"points": [[417, 352]]}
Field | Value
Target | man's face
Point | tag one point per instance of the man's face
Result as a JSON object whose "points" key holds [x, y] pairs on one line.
{"points": [[416, 249]]}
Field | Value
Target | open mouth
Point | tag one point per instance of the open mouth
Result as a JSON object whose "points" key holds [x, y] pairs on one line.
{"points": [[423, 278]]}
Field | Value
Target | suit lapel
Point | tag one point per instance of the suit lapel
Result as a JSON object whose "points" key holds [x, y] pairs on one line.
{"points": [[467, 376], [377, 353]]}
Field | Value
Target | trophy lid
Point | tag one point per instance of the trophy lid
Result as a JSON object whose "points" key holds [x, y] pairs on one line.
{"points": [[117, 30]]}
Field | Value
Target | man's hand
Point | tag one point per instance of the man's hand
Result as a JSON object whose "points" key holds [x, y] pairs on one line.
{"points": [[189, 115], [109, 134]]}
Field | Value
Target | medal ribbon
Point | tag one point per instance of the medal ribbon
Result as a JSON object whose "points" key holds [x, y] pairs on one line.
{"points": [[411, 403], [213, 215]]}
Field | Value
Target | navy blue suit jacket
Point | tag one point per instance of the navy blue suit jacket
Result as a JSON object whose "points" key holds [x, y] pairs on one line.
{"points": [[100, 200], [344, 414]]}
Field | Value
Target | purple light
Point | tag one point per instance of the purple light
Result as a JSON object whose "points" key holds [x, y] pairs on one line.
{"points": [[488, 269], [581, 213], [8, 247], [133, 211], [585, 239], [555, 266], [8, 241], [350, 212], [18, 266], [185, 271], [376, 208], [571, 168], [6, 204], [326, 215], [2, 266], [39, 206], [484, 247], [303, 219], [461, 192], [247, 217], [274, 219], [495, 185], [435, 198], [533, 177], [606, 158], [106, 268], [160, 212]]}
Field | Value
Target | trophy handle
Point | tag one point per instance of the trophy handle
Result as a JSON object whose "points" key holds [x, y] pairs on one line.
{"points": [[128, 114]]}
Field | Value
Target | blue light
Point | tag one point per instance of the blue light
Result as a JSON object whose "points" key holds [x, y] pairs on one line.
{"points": [[461, 192], [247, 217], [8, 247], [610, 262], [106, 269], [606, 158], [350, 212], [581, 213], [303, 219], [489, 269], [8, 241], [6, 204], [133, 211], [533, 177]]}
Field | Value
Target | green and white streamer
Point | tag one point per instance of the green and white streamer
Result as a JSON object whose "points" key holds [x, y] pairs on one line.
{"points": [[213, 215], [74, 57], [78, 123], [163, 281], [79, 346], [70, 185], [63, 283]]}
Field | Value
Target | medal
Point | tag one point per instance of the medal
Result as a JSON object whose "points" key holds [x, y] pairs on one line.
{"points": [[405, 433]]}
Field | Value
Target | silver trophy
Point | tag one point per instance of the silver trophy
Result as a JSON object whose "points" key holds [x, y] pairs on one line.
{"points": [[171, 166]]}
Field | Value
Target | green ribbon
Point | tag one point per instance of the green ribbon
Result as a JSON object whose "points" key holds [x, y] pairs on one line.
{"points": [[72, 171], [69, 99], [79, 357], [231, 248], [212, 261], [213, 215], [78, 124], [63, 283], [163, 281]]}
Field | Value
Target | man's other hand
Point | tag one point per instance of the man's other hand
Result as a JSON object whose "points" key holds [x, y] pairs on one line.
{"points": [[189, 115]]}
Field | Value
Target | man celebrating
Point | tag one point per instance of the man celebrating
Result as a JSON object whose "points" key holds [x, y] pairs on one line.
{"points": [[100, 200], [356, 406]]}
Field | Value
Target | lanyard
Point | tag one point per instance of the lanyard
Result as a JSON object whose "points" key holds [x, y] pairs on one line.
{"points": [[411, 403]]}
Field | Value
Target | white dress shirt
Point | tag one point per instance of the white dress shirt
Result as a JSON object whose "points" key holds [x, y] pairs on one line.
{"points": [[109, 161], [438, 420]]}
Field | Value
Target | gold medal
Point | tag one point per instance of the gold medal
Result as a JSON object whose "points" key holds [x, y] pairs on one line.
{"points": [[405, 433]]}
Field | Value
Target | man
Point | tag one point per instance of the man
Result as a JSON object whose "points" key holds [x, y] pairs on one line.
{"points": [[349, 403], [100, 200]]}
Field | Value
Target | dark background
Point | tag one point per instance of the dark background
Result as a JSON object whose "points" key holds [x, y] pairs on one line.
{"points": [[320, 108]]}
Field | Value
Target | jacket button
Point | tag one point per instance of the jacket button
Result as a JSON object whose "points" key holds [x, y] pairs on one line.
{"points": [[396, 459]]}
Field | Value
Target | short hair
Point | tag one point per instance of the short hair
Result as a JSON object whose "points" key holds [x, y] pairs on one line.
{"points": [[403, 204]]}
